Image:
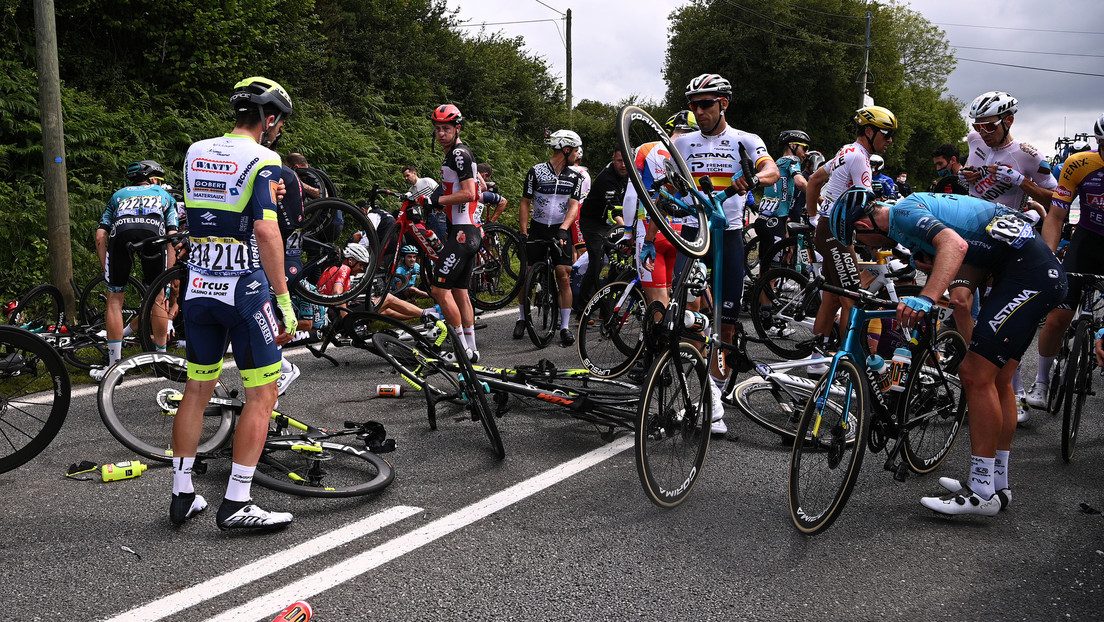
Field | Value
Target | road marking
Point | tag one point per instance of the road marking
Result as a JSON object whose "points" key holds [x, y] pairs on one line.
{"points": [[264, 607], [274, 563]]}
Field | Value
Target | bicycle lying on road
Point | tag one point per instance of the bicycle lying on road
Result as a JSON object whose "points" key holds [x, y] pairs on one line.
{"points": [[34, 396]]}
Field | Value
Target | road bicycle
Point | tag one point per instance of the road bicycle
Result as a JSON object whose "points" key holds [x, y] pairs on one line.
{"points": [[540, 296], [139, 397], [34, 396], [1072, 378], [848, 413], [610, 336], [773, 398]]}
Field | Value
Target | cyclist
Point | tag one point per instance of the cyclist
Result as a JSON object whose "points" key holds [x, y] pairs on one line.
{"points": [[138, 212], [289, 217], [850, 167], [881, 183], [551, 194], [969, 240], [576, 229], [406, 274], [460, 191], [336, 279], [1083, 178], [604, 199], [231, 185], [778, 199]]}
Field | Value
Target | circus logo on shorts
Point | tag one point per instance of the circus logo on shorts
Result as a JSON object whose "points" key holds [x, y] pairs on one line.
{"points": [[212, 288]]}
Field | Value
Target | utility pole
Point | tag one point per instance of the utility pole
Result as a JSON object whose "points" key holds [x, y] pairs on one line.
{"points": [[866, 64], [570, 112], [53, 152]]}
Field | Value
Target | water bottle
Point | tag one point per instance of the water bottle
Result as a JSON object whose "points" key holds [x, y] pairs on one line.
{"points": [[434, 241], [122, 470], [695, 321], [879, 369], [902, 358]]}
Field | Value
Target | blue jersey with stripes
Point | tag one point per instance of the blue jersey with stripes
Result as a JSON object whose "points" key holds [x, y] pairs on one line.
{"points": [[915, 220]]}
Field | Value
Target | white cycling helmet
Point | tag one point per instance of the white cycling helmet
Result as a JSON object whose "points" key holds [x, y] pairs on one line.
{"points": [[993, 104], [1098, 128], [564, 138], [358, 252], [876, 163], [709, 83]]}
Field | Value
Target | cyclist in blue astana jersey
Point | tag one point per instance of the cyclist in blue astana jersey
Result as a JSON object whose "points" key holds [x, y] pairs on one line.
{"points": [[969, 240], [140, 211], [231, 186]]}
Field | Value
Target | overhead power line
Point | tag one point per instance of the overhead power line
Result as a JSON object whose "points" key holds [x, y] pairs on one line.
{"points": [[1068, 32], [967, 47], [524, 21], [560, 13], [1076, 73]]}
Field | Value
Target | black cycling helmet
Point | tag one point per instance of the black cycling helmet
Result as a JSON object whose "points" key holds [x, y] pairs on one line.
{"points": [[146, 170], [259, 91], [447, 113], [849, 207], [793, 136], [683, 120], [813, 161]]}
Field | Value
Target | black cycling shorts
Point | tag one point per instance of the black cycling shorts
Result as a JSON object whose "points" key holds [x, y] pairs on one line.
{"points": [[457, 258], [1084, 254], [120, 260], [534, 251], [769, 230]]}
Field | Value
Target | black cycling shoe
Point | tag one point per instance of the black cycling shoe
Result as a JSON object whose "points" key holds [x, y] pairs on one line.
{"points": [[184, 506], [566, 338], [519, 329]]}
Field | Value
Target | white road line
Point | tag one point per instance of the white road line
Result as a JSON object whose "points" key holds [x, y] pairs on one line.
{"points": [[264, 607], [274, 563]]}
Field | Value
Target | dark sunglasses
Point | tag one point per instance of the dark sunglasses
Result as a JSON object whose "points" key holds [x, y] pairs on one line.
{"points": [[888, 133], [703, 104]]}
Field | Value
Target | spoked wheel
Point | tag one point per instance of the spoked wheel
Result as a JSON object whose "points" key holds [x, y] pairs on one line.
{"points": [[312, 468], [92, 311], [1078, 386], [34, 396], [162, 310], [139, 398], [329, 226], [40, 310], [644, 140], [783, 313], [541, 303], [828, 451], [611, 330], [497, 274], [772, 407], [933, 406], [673, 425]]}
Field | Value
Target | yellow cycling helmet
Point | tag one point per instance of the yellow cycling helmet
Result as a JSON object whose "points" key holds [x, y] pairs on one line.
{"points": [[876, 116]]}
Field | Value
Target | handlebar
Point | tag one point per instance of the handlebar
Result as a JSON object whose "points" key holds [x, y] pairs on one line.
{"points": [[160, 240]]}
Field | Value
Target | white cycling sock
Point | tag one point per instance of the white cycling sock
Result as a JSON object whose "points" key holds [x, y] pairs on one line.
{"points": [[128, 330], [1000, 470], [1017, 382], [565, 318], [981, 476], [469, 337], [114, 352], [241, 478], [182, 475], [1042, 375], [285, 366]]}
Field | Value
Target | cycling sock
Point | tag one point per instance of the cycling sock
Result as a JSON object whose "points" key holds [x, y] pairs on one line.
{"points": [[565, 317], [717, 382], [182, 475], [128, 330], [1000, 470], [1046, 363], [285, 366], [521, 312], [469, 336], [1017, 382], [114, 351], [241, 478], [160, 348], [981, 476]]}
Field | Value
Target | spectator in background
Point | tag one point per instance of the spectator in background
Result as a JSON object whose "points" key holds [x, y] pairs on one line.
{"points": [[424, 187], [903, 187], [949, 179], [313, 186], [599, 211]]}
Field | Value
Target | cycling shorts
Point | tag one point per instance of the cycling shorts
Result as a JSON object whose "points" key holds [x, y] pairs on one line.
{"points": [[732, 283], [236, 310], [769, 230], [840, 265], [1085, 254], [534, 251], [1025, 288], [577, 236], [120, 261], [457, 258], [662, 275]]}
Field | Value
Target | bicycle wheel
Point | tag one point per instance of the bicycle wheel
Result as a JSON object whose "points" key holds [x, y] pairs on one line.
{"points": [[421, 369], [933, 406], [611, 330], [312, 468], [34, 396], [328, 226], [637, 130], [497, 274], [40, 310], [1078, 385], [475, 395], [541, 303], [782, 312], [828, 451], [1056, 391], [771, 406], [673, 425], [162, 310], [92, 311], [751, 258], [138, 400]]}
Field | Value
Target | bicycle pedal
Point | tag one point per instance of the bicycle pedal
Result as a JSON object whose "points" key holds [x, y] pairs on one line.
{"points": [[900, 474]]}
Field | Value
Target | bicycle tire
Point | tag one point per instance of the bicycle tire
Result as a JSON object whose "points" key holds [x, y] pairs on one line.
{"points": [[939, 405], [790, 308], [784, 254], [136, 406], [611, 338], [92, 310], [475, 396], [421, 369], [673, 425], [541, 303], [771, 406], [312, 468], [751, 258], [499, 265], [828, 449], [1056, 389], [31, 411], [1078, 384], [39, 309], [322, 242], [636, 128], [163, 302]]}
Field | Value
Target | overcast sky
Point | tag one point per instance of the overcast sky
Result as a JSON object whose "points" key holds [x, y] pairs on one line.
{"points": [[619, 48]]}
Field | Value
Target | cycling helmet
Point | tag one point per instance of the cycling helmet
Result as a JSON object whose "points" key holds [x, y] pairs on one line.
{"points": [[447, 113], [579, 152], [564, 138], [1098, 128], [877, 163], [793, 136], [814, 160], [708, 83], [683, 120], [258, 91], [993, 104], [358, 252], [409, 249], [851, 206], [1079, 146], [876, 116], [137, 172]]}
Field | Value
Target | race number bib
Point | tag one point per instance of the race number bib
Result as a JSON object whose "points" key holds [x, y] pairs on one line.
{"points": [[768, 207], [294, 243], [227, 256], [1010, 229]]}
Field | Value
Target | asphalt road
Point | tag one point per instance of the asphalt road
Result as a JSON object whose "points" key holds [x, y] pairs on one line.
{"points": [[559, 530]]}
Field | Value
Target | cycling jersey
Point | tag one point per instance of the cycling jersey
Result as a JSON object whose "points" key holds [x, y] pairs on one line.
{"points": [[148, 207], [889, 190], [460, 166], [718, 157], [648, 161], [334, 275], [583, 172], [915, 220], [1021, 157], [1083, 178], [405, 277], [849, 168], [551, 192], [779, 197], [607, 196]]}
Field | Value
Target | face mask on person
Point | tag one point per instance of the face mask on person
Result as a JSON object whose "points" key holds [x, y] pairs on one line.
{"points": [[943, 172]]}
